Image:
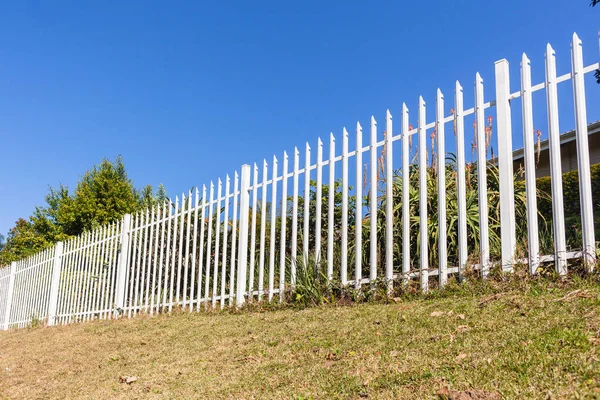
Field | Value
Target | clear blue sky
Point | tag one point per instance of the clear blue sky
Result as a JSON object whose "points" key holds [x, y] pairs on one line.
{"points": [[189, 91]]}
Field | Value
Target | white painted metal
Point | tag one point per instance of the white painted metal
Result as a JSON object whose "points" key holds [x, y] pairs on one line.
{"points": [[505, 165], [484, 247], [373, 203], [359, 209], [263, 224], [331, 206], [217, 244], [461, 187], [87, 274], [423, 217], [389, 202], [583, 155], [174, 252], [209, 244], [558, 216], [306, 219], [169, 205], [186, 261], [182, 213], [132, 270], [272, 236], [194, 252], [9, 294], [225, 231], [201, 263], [282, 245], [97, 276], [344, 249], [155, 302], [318, 209], [294, 246], [441, 182], [232, 263], [122, 264], [405, 194], [253, 229], [143, 263], [529, 154], [243, 246]]}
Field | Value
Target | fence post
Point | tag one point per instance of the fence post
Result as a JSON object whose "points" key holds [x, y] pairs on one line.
{"points": [[53, 301], [505, 165], [9, 294], [243, 240], [122, 265]]}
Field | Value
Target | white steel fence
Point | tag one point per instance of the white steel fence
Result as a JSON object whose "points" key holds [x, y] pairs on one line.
{"points": [[382, 211]]}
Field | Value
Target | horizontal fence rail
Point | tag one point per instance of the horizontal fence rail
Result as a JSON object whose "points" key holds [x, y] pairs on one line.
{"points": [[406, 206]]}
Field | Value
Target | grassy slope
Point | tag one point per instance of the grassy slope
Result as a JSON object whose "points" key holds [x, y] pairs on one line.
{"points": [[523, 342]]}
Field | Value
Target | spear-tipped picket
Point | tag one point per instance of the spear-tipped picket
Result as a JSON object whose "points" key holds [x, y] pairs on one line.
{"points": [[441, 175], [294, 253], [306, 219], [201, 263], [225, 239], [282, 245], [423, 217], [253, 231], [359, 209], [187, 250], [263, 224], [272, 236], [505, 164], [318, 207], [558, 216], [405, 194], [331, 205], [529, 154], [461, 186], [389, 203], [373, 203], [217, 243], [583, 155], [344, 255], [484, 242], [234, 230], [209, 244]]}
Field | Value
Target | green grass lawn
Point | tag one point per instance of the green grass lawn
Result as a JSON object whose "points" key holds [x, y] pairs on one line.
{"points": [[530, 339]]}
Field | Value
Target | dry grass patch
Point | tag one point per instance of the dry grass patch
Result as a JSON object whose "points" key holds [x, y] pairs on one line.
{"points": [[541, 342]]}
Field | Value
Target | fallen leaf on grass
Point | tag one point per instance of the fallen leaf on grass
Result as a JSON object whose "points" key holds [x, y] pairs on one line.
{"points": [[487, 299], [436, 314], [248, 359], [444, 393], [574, 294], [128, 379], [460, 316], [461, 356]]}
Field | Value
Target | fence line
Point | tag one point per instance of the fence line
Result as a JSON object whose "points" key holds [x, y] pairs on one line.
{"points": [[423, 216]]}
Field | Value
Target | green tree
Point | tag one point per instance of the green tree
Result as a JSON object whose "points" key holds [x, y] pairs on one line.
{"points": [[103, 195], [22, 241]]}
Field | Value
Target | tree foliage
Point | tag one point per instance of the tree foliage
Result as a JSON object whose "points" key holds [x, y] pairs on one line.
{"points": [[103, 194]]}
